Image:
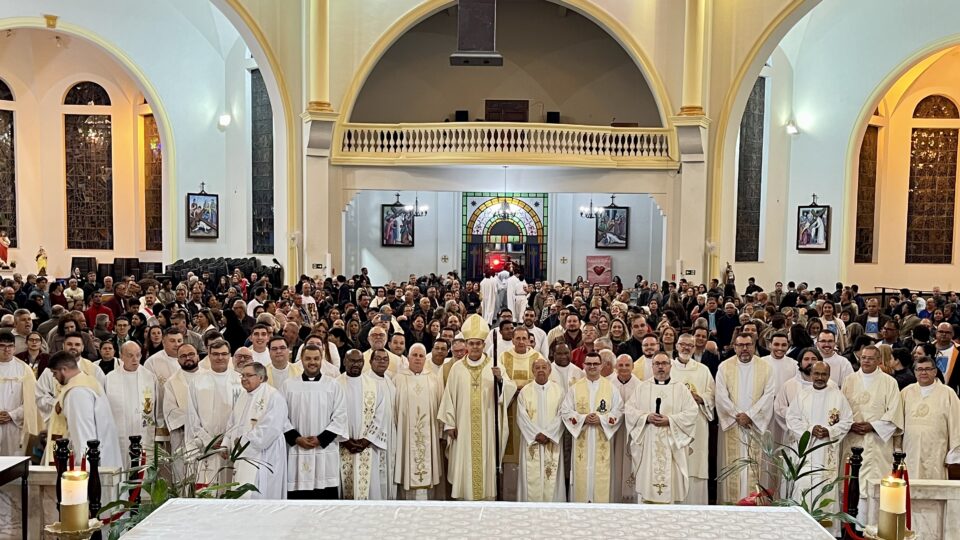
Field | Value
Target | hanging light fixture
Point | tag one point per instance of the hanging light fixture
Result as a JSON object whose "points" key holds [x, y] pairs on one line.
{"points": [[419, 211], [506, 211], [591, 211]]}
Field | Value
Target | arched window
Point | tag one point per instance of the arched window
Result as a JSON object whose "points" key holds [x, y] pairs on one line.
{"points": [[261, 131], [936, 106], [750, 173], [8, 166], [88, 145], [153, 184], [932, 184], [87, 93]]}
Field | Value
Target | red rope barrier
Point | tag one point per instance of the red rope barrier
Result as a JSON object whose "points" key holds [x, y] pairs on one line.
{"points": [[133, 494]]}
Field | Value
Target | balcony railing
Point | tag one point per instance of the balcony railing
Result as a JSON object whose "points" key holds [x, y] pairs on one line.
{"points": [[500, 142]]}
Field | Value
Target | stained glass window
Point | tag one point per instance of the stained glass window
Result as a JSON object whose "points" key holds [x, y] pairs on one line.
{"points": [[750, 174], [936, 107], [262, 151], [522, 235], [8, 169], [87, 93], [930, 198], [866, 196], [153, 184], [89, 155]]}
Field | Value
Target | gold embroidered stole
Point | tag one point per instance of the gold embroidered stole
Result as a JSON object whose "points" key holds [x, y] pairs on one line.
{"points": [[476, 427], [736, 437], [518, 368], [541, 460], [639, 367], [417, 415], [581, 459], [355, 468], [57, 426], [295, 370]]}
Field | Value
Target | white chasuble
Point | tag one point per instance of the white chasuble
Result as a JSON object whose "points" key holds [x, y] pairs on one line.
{"points": [[623, 488], [931, 431], [366, 406], [315, 407], [590, 466], [468, 406], [874, 398], [541, 476], [210, 401], [565, 376], [133, 396], [85, 409], [742, 388], [258, 419], [418, 465], [660, 453], [176, 394], [784, 369], [18, 399], [519, 369], [826, 408], [697, 378], [276, 376]]}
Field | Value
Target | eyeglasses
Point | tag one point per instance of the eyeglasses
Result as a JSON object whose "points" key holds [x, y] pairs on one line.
{"points": [[248, 376], [924, 369]]}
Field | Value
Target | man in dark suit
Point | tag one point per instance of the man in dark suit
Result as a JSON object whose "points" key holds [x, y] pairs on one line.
{"points": [[790, 297], [873, 319]]}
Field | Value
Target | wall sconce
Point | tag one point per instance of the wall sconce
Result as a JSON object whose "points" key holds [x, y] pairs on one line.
{"points": [[224, 121], [792, 128]]}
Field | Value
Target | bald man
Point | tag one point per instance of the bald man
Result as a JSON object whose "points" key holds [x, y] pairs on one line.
{"points": [[541, 477]]}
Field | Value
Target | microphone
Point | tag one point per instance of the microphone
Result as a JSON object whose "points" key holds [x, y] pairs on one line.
{"points": [[658, 405]]}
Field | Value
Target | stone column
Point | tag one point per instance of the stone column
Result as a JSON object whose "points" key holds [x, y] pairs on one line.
{"points": [[318, 57], [692, 203], [695, 28]]}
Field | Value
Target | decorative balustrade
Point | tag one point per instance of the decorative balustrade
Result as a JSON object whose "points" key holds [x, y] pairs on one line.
{"points": [[500, 142]]}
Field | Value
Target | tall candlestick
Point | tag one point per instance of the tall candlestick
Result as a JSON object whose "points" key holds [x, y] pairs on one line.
{"points": [[893, 509], [74, 509]]}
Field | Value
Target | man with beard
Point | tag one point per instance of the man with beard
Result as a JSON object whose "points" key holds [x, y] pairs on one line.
{"points": [[176, 394], [696, 377], [788, 392], [643, 366]]}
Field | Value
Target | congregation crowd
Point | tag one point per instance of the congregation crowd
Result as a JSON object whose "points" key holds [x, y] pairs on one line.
{"points": [[420, 389]]}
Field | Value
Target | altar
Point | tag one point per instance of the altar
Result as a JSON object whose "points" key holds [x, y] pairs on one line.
{"points": [[205, 518]]}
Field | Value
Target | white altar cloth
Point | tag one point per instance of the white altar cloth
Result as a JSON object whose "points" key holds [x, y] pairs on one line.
{"points": [[205, 518]]}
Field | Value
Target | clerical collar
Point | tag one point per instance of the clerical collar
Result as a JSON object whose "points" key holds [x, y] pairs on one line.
{"points": [[624, 381], [473, 362], [663, 383], [307, 378]]}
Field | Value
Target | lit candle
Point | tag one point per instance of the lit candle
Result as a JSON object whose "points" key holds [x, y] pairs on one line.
{"points": [[893, 495], [73, 487]]}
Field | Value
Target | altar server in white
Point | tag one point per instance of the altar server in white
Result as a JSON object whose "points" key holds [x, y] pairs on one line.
{"points": [[210, 402], [19, 418], [364, 452], [318, 423], [132, 391], [258, 419], [824, 412], [592, 412], [541, 476]]}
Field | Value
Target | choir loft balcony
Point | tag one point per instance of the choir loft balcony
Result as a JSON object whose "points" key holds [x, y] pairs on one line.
{"points": [[506, 143]]}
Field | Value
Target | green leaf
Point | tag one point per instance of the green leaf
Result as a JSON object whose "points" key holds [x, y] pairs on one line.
{"points": [[803, 443]]}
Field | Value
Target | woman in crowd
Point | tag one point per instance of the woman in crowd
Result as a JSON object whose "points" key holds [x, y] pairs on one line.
{"points": [[204, 321], [618, 332], [153, 342], [668, 340], [34, 355]]}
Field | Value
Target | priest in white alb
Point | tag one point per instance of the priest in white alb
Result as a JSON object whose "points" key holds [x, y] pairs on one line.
{"points": [[824, 412], [82, 410], [280, 368], [467, 414], [874, 398], [132, 391], [19, 418], [744, 399], [488, 298], [418, 395], [379, 373], [784, 369], [258, 420], [541, 477], [176, 395], [210, 400], [624, 481], [592, 412], [563, 372], [364, 452], [164, 365], [931, 423], [697, 378], [517, 362], [317, 425], [661, 417]]}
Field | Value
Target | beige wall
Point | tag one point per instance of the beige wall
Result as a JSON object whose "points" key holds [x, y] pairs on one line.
{"points": [[555, 58]]}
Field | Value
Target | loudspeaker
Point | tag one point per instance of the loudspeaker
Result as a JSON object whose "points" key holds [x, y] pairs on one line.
{"points": [[553, 117], [461, 116]]}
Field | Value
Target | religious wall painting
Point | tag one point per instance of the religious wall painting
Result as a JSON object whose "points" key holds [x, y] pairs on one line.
{"points": [[612, 228], [203, 215], [813, 228], [396, 225]]}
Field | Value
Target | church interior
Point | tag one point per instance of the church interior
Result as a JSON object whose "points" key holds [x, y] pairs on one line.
{"points": [[665, 149]]}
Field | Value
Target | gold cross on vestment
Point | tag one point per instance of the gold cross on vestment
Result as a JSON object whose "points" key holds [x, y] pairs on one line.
{"points": [[659, 488]]}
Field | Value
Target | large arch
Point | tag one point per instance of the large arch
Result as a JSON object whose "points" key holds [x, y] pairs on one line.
{"points": [[727, 121], [148, 91], [584, 7]]}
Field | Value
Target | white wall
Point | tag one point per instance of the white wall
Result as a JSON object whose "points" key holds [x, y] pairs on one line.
{"points": [[559, 60], [572, 237]]}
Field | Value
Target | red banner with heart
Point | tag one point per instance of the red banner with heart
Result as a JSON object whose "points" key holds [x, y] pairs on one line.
{"points": [[600, 269]]}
